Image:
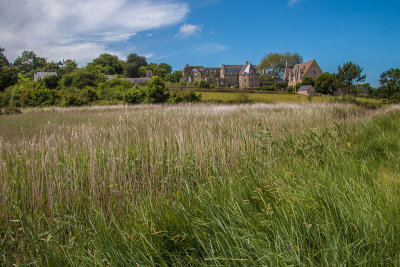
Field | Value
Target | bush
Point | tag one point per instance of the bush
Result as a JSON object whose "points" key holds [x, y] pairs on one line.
{"points": [[134, 96], [88, 94], [201, 84], [156, 92], [51, 81], [289, 89], [270, 88], [8, 77], [185, 96], [72, 99], [39, 96]]}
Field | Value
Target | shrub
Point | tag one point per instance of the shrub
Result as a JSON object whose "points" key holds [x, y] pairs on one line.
{"points": [[51, 81], [156, 92], [39, 96], [88, 94], [134, 96], [289, 89], [185, 96]]}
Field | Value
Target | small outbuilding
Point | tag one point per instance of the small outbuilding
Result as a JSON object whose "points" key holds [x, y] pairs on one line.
{"points": [[306, 90]]}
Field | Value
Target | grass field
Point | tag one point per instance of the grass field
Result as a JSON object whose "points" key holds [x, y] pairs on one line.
{"points": [[187, 185], [274, 98]]}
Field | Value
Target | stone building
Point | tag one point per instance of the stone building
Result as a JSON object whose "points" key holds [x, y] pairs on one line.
{"points": [[237, 76], [41, 75], [294, 74], [306, 90]]}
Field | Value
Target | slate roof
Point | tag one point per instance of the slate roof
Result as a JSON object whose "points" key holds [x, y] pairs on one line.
{"points": [[233, 68], [305, 87]]}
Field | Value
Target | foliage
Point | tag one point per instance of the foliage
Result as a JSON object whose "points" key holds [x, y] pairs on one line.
{"points": [[184, 96], [326, 84], [350, 74], [134, 95], [8, 77], [156, 91], [274, 64], [308, 81], [39, 96], [174, 77], [28, 62], [51, 81], [133, 64], [80, 78], [201, 84], [109, 64], [390, 84], [88, 94], [70, 66], [270, 88], [3, 59], [161, 70]]}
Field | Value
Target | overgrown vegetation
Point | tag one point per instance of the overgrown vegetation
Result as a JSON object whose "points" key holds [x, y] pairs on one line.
{"points": [[273, 185]]}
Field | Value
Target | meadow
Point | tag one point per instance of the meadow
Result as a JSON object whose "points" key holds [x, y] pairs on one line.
{"points": [[301, 184]]}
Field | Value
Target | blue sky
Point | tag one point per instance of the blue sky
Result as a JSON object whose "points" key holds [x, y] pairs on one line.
{"points": [[209, 32]]}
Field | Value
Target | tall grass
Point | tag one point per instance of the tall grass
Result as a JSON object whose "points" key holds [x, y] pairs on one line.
{"points": [[281, 184]]}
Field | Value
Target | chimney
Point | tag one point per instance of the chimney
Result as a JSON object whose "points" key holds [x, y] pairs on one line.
{"points": [[247, 63]]}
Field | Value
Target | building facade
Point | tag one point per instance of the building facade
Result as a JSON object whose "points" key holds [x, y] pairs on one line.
{"points": [[294, 74], [236, 76]]}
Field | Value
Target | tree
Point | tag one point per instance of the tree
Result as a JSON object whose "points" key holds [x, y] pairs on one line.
{"points": [[390, 84], [274, 64], [308, 81], [8, 77], [156, 91], [29, 62], [70, 66], [161, 70], [110, 64], [3, 59], [51, 81], [326, 84], [133, 64], [174, 77], [350, 74]]}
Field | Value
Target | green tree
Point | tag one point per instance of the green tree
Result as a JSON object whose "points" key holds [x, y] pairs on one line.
{"points": [[390, 84], [326, 84], [156, 91], [350, 74], [174, 77], [308, 81], [110, 64], [274, 64], [133, 64], [8, 75], [70, 66], [3, 59], [51, 81], [161, 70], [29, 62]]}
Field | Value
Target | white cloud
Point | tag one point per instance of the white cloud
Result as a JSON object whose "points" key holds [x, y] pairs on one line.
{"points": [[211, 48], [292, 2], [187, 30], [78, 29]]}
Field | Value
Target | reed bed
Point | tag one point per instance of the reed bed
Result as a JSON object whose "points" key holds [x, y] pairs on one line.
{"points": [[263, 184]]}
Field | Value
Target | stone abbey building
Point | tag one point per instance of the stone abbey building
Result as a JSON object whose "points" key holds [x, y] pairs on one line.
{"points": [[294, 74], [237, 76]]}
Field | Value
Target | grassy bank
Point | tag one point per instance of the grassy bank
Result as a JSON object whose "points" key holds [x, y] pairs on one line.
{"points": [[281, 184]]}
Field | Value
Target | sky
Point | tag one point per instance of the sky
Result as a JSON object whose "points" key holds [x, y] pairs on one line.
{"points": [[207, 32]]}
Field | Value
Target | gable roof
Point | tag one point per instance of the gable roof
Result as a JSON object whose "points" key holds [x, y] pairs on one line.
{"points": [[233, 68], [305, 88], [247, 69], [305, 65]]}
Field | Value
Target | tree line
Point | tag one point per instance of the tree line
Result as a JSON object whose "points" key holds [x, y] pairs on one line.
{"points": [[73, 86]]}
